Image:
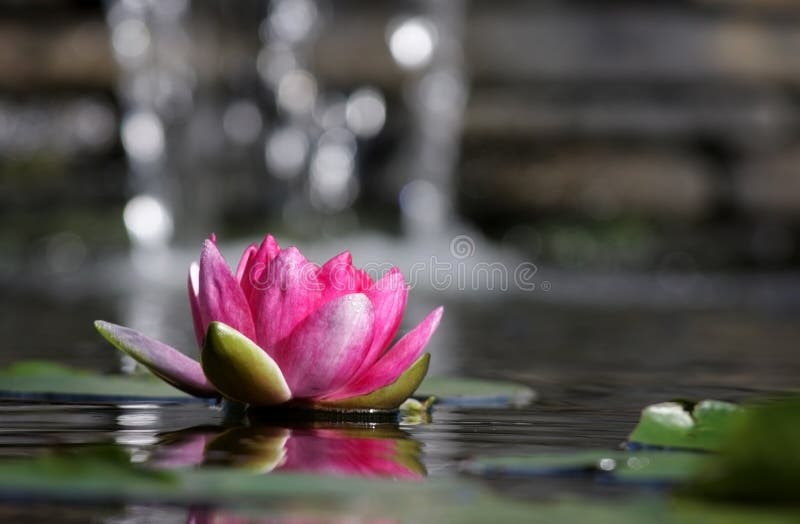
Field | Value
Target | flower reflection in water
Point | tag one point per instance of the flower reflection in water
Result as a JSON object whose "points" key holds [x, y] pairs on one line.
{"points": [[360, 450]]}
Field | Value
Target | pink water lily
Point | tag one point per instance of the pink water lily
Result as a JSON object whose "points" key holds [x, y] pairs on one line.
{"points": [[284, 330]]}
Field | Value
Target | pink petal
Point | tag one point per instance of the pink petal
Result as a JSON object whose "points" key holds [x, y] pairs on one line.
{"points": [[388, 297], [255, 267], [220, 298], [325, 350], [283, 296], [248, 254], [386, 370], [164, 361], [339, 277], [192, 284]]}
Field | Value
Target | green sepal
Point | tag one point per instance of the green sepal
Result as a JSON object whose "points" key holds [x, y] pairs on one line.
{"points": [[240, 369], [388, 397]]}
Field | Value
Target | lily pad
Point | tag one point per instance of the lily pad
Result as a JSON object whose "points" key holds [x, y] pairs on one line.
{"points": [[644, 467], [472, 392], [498, 510], [106, 474], [53, 382], [759, 462], [699, 426]]}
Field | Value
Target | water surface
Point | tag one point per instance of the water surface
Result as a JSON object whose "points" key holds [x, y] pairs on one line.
{"points": [[594, 368]]}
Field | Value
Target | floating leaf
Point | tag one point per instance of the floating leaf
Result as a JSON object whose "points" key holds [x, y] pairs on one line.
{"points": [[498, 510], [32, 368], [622, 466], [759, 462], [475, 392], [700, 426], [53, 382], [102, 474], [106, 474], [90, 469], [50, 381]]}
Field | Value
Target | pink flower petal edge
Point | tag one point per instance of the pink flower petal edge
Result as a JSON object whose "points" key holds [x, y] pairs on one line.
{"points": [[339, 277], [388, 296], [253, 268], [163, 360], [220, 297], [394, 362], [245, 262]]}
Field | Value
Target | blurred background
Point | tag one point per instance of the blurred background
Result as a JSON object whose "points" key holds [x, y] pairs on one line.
{"points": [[632, 150], [614, 134]]}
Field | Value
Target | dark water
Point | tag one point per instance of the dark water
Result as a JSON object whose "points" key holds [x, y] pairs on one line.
{"points": [[593, 369]]}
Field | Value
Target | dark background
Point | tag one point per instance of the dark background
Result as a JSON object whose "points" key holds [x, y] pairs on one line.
{"points": [[594, 134]]}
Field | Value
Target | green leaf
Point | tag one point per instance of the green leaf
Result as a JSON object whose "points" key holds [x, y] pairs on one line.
{"points": [[87, 469], [700, 426], [106, 474], [45, 380], [50, 381], [33, 368], [101, 474], [475, 392], [499, 510], [646, 467], [759, 462]]}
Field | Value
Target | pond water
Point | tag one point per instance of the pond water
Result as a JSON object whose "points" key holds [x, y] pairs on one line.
{"points": [[593, 368]]}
